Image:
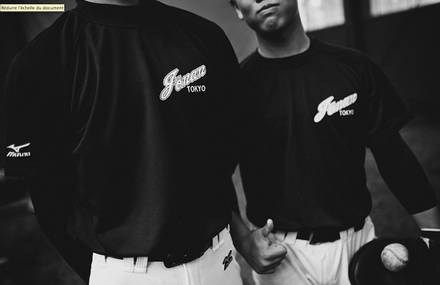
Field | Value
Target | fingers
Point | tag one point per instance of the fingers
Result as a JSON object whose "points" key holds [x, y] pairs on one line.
{"points": [[268, 228], [270, 271], [272, 267], [272, 257], [275, 251], [262, 250], [268, 267]]}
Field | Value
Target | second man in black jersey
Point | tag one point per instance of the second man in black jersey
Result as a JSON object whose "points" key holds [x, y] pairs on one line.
{"points": [[316, 108]]}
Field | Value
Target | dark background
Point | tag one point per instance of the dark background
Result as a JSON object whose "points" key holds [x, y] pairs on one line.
{"points": [[406, 45]]}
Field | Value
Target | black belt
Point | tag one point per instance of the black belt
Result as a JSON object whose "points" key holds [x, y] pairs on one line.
{"points": [[315, 236], [175, 258]]}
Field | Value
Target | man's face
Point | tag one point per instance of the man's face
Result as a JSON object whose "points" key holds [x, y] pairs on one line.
{"points": [[265, 16]]}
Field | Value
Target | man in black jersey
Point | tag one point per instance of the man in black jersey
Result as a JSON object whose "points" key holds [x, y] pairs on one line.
{"points": [[120, 118], [316, 107]]}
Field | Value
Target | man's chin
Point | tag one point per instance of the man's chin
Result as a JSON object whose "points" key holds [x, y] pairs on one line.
{"points": [[269, 30], [270, 25]]}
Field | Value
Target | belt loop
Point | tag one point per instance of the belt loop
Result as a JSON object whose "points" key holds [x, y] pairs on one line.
{"points": [[311, 236], [294, 237], [344, 234], [289, 237], [214, 243], [140, 265], [128, 263], [218, 240]]}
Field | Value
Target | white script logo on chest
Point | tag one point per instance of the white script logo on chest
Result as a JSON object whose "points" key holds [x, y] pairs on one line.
{"points": [[329, 107], [173, 81]]}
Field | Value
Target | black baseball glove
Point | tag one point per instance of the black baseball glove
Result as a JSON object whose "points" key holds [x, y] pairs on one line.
{"points": [[366, 267]]}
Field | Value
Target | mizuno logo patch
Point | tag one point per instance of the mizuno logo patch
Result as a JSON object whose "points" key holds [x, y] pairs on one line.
{"points": [[17, 150], [329, 107], [173, 81]]}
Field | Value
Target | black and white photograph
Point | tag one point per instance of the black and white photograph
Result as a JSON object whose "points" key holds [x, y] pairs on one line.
{"points": [[219, 142]]}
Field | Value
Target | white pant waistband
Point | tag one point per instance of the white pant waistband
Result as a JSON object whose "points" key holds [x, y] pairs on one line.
{"points": [[291, 237], [140, 263]]}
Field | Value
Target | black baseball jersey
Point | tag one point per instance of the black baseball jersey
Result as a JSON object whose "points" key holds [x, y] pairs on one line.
{"points": [[314, 115], [121, 120]]}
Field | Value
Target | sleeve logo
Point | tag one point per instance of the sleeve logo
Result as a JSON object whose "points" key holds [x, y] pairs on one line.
{"points": [[16, 150], [330, 107], [173, 81]]}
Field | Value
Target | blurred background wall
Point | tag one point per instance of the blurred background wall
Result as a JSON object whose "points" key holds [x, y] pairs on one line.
{"points": [[400, 35]]}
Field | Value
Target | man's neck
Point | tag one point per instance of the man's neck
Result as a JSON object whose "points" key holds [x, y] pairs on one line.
{"points": [[291, 41], [116, 2]]}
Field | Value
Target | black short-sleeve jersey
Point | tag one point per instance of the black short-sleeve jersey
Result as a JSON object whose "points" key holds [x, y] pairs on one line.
{"points": [[121, 119], [313, 116]]}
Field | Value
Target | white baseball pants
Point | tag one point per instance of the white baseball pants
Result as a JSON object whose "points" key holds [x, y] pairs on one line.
{"points": [[317, 264], [209, 269]]}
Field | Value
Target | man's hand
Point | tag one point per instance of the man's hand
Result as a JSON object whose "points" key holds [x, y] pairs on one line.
{"points": [[261, 250]]}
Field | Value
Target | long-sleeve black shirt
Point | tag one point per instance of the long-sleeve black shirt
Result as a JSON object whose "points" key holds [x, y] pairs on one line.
{"points": [[121, 120]]}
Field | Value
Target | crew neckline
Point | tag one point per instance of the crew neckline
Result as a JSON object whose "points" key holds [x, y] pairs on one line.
{"points": [[291, 60], [116, 14]]}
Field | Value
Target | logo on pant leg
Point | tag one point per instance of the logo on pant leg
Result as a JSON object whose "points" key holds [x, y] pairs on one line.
{"points": [[227, 260]]}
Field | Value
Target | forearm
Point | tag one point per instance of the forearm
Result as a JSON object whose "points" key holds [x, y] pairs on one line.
{"points": [[239, 231], [429, 218], [404, 175]]}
